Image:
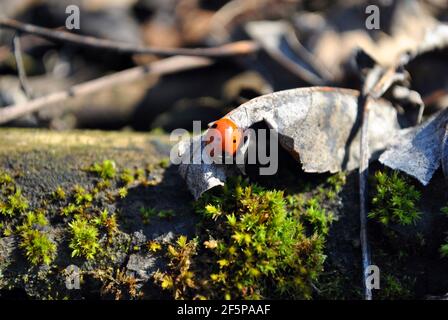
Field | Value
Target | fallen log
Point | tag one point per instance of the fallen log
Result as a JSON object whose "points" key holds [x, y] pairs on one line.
{"points": [[42, 162]]}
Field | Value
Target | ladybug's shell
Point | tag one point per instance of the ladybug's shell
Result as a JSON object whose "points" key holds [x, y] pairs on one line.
{"points": [[226, 133]]}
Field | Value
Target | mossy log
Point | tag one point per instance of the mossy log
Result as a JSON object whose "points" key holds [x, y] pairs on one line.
{"points": [[42, 161]]}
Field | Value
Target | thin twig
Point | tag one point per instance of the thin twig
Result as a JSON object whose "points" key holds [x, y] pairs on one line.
{"points": [[20, 67], [165, 66], [363, 192], [228, 50], [376, 82], [445, 153]]}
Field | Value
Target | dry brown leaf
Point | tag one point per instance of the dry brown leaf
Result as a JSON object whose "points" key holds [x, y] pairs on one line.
{"points": [[318, 125]]}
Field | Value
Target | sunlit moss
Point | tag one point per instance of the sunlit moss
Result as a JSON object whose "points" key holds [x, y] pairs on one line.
{"points": [[395, 199], [255, 244], [59, 194], [84, 238], [15, 204], [106, 170], [37, 245]]}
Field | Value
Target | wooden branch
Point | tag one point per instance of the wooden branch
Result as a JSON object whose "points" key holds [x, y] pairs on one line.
{"points": [[20, 67], [228, 50], [165, 66]]}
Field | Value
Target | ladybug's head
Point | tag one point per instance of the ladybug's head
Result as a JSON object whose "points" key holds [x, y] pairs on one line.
{"points": [[225, 135]]}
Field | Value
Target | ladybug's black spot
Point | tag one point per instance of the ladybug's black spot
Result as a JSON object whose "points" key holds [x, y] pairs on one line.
{"points": [[234, 140], [214, 126]]}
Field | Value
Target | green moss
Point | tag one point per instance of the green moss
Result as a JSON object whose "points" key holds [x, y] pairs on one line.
{"points": [[70, 209], [148, 213], [141, 175], [81, 195], [35, 218], [181, 278], [166, 214], [337, 284], [164, 163], [37, 245], [102, 185], [90, 232], [15, 204], [5, 179], [108, 222], [394, 288], [256, 243], [84, 238], [335, 184], [154, 246], [122, 192], [444, 250], [59, 194], [106, 170], [311, 212], [127, 177], [395, 200]]}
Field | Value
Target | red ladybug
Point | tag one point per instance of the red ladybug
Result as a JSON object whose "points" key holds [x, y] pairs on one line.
{"points": [[229, 137]]}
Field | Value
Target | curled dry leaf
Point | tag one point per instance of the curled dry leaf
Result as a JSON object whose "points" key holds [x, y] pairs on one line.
{"points": [[419, 151], [280, 42], [318, 125]]}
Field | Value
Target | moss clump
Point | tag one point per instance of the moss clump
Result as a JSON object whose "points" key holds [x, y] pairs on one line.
{"points": [[15, 204], [127, 177], [70, 209], [59, 194], [38, 247], [148, 213], [394, 288], [256, 243], [153, 246], [311, 213], [122, 192], [395, 200], [36, 244], [164, 163], [5, 179], [108, 222], [106, 170], [84, 238], [117, 283], [181, 279], [80, 226], [82, 196], [444, 250]]}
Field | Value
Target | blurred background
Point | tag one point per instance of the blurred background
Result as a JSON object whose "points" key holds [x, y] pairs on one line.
{"points": [[303, 43]]}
